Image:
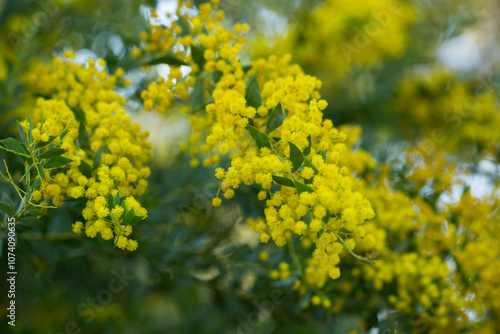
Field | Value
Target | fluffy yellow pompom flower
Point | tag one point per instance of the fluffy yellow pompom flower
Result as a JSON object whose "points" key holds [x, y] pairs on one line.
{"points": [[108, 162], [77, 227]]}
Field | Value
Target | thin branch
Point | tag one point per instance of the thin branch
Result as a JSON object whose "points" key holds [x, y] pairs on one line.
{"points": [[349, 250]]}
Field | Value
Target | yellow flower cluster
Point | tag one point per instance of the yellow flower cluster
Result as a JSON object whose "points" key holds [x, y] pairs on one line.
{"points": [[342, 34], [283, 272], [327, 199], [161, 38], [107, 150], [358, 161], [278, 102], [394, 211], [80, 86], [268, 117], [435, 263], [414, 276], [453, 114], [477, 249], [420, 286], [58, 128], [195, 41]]}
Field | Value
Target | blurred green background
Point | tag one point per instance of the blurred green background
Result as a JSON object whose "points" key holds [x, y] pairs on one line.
{"points": [[197, 267]]}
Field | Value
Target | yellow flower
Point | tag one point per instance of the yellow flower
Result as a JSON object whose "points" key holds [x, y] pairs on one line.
{"points": [[263, 256], [307, 173], [316, 300], [132, 245], [77, 227], [76, 192], [117, 211], [121, 242]]}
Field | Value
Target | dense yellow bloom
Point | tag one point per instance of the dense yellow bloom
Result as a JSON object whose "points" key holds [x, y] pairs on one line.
{"points": [[322, 200], [344, 34], [453, 114], [107, 150], [430, 272], [477, 250], [324, 192], [409, 240]]}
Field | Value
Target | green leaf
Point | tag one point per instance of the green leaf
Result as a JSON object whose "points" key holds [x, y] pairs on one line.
{"points": [[307, 150], [35, 212], [45, 143], [79, 115], [123, 206], [116, 200], [197, 53], [25, 148], [85, 169], [28, 221], [186, 29], [31, 128], [302, 187], [283, 181], [216, 76], [136, 219], [304, 300], [35, 183], [308, 163], [162, 58], [253, 92], [296, 157], [97, 158], [83, 137], [260, 137], [110, 201], [62, 135], [323, 155], [307, 218], [198, 94], [40, 170], [12, 145], [7, 208], [22, 134], [128, 217], [56, 162], [276, 118], [52, 153], [326, 218]]}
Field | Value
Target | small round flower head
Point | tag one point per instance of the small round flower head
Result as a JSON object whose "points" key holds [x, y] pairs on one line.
{"points": [[77, 227]]}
